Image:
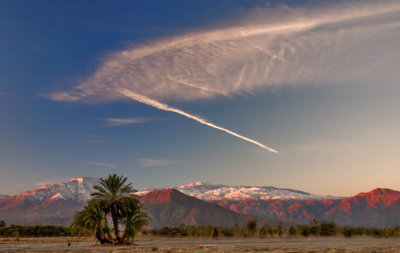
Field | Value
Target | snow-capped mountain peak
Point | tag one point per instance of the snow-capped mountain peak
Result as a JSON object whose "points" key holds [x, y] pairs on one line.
{"points": [[205, 191], [76, 189], [80, 188]]}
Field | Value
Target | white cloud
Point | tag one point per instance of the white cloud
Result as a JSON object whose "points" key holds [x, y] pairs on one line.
{"points": [[108, 165], [124, 121], [339, 43], [155, 162]]}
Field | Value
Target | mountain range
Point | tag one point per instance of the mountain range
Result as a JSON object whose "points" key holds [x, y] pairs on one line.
{"points": [[207, 204]]}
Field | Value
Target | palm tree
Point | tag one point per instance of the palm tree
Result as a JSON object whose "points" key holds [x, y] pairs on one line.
{"points": [[114, 192], [112, 198]]}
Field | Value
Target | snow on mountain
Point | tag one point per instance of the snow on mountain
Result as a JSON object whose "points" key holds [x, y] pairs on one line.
{"points": [[214, 192], [76, 189], [79, 189], [206, 191]]}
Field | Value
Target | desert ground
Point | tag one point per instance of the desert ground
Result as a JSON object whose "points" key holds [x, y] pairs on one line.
{"points": [[190, 244]]}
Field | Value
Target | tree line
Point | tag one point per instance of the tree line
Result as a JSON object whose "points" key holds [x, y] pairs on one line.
{"points": [[33, 231], [250, 230], [314, 228]]}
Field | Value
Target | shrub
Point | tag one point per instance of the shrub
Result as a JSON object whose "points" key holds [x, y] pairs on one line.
{"points": [[328, 229], [262, 233], [347, 232], [304, 230], [252, 227], [229, 232], [292, 231]]}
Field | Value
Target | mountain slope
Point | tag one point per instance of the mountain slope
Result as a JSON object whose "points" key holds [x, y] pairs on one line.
{"points": [[170, 207]]}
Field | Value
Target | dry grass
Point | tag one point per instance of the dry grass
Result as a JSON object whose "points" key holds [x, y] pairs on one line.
{"points": [[14, 240], [163, 244]]}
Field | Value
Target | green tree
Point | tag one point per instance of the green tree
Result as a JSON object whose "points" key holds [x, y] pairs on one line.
{"points": [[2, 224]]}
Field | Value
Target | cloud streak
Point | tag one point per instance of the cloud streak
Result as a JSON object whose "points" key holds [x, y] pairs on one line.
{"points": [[155, 162], [124, 121], [354, 41], [108, 165]]}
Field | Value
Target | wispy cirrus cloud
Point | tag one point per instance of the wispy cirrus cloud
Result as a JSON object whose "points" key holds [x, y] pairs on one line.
{"points": [[275, 47], [124, 121], [146, 162], [341, 43], [108, 165]]}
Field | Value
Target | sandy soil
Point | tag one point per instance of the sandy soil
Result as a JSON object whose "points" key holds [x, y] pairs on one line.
{"points": [[157, 244]]}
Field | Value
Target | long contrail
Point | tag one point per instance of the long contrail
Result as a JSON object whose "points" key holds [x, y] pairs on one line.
{"points": [[165, 107]]}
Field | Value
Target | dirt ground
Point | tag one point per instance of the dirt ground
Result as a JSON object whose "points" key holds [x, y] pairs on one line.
{"points": [[199, 245]]}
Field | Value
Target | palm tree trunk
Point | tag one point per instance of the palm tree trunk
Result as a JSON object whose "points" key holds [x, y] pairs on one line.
{"points": [[114, 217]]}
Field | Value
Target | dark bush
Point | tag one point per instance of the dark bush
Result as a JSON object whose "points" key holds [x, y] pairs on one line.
{"points": [[292, 231], [328, 229], [304, 230], [347, 232]]}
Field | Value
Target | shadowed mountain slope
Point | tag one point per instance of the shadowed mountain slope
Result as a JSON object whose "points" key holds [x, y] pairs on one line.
{"points": [[170, 207]]}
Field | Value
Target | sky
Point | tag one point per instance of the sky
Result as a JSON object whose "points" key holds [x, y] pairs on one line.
{"points": [[291, 94]]}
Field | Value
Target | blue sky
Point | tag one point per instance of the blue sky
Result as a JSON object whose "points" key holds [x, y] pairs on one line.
{"points": [[328, 102]]}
